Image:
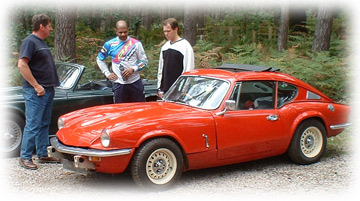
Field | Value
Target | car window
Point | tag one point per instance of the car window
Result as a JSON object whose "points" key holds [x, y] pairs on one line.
{"points": [[67, 75], [252, 95], [286, 93], [90, 85], [201, 92]]}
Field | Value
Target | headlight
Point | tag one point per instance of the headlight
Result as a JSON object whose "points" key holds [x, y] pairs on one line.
{"points": [[105, 138], [61, 122]]}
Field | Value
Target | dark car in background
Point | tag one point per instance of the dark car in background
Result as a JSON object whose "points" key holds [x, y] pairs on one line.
{"points": [[72, 94]]}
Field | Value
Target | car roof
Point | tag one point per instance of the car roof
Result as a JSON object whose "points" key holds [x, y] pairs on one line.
{"points": [[236, 72], [246, 67], [241, 74]]}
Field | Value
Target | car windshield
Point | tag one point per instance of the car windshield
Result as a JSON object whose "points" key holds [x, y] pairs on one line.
{"points": [[67, 75], [201, 92]]}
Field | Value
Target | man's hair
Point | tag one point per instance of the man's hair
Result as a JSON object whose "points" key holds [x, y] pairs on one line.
{"points": [[40, 19], [172, 22]]}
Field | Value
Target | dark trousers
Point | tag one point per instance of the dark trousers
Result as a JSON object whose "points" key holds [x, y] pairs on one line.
{"points": [[126, 93]]}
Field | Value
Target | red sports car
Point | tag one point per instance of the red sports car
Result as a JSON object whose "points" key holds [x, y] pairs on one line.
{"points": [[209, 117]]}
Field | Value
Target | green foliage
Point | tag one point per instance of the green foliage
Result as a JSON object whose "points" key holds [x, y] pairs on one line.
{"points": [[152, 37], [326, 73]]}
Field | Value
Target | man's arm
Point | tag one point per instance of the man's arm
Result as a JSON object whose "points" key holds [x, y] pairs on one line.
{"points": [[23, 65], [142, 59], [188, 58], [160, 69], [105, 70]]}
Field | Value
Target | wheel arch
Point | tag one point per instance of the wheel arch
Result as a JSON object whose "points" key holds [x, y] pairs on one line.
{"points": [[14, 110], [168, 135], [295, 148], [305, 117]]}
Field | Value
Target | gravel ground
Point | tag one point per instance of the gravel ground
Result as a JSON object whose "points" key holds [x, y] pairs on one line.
{"points": [[276, 178]]}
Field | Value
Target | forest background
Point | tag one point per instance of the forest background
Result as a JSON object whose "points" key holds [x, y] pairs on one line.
{"points": [[281, 36]]}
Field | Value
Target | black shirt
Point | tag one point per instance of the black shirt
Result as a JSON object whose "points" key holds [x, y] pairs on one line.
{"points": [[41, 62], [173, 68]]}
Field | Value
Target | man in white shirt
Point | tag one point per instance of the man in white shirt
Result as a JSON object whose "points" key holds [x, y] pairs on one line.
{"points": [[176, 56]]}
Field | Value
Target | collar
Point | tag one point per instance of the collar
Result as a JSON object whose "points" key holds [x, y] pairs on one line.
{"points": [[172, 43], [36, 36], [124, 41]]}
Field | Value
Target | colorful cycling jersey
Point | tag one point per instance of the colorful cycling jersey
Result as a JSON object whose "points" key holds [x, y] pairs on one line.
{"points": [[124, 54]]}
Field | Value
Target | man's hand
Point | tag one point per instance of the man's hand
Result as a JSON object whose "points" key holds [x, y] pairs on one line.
{"points": [[40, 91], [127, 73], [160, 94], [112, 77]]}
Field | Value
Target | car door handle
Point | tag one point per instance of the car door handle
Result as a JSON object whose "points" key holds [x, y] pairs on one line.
{"points": [[272, 117]]}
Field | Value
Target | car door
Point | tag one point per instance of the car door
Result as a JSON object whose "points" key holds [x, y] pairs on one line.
{"points": [[253, 126]]}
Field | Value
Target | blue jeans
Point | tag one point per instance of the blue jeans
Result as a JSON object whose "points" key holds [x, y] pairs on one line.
{"points": [[38, 110]]}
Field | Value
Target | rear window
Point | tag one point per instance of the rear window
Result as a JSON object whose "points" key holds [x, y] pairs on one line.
{"points": [[312, 96], [286, 93]]}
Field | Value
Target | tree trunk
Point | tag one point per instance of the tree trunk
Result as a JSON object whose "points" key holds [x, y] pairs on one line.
{"points": [[190, 25], [65, 43], [284, 27], [201, 20], [147, 18], [323, 28], [245, 22]]}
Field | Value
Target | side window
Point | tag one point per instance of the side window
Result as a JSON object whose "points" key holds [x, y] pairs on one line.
{"points": [[286, 93], [255, 95], [236, 94]]}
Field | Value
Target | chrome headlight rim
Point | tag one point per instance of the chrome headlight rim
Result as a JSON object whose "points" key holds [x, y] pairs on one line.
{"points": [[61, 122], [105, 138]]}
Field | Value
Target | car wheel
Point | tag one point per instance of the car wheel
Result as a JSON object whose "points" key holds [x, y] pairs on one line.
{"points": [[157, 164], [13, 128], [308, 143]]}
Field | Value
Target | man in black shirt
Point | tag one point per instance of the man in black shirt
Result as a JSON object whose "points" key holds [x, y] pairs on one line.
{"points": [[37, 67], [176, 56]]}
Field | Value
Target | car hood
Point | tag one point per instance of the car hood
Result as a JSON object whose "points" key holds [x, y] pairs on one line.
{"points": [[126, 122]]}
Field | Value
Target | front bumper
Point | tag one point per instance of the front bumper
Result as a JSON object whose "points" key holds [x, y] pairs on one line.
{"points": [[86, 152], [83, 160]]}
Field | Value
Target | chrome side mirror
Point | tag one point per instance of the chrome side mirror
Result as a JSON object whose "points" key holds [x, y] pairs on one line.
{"points": [[230, 105]]}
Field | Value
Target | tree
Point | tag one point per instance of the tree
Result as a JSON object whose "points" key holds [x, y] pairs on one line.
{"points": [[190, 19], [201, 20], [147, 18], [323, 28], [284, 27], [65, 43]]}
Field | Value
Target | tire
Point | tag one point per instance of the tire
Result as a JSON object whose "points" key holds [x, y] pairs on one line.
{"points": [[308, 143], [12, 131], [157, 164]]}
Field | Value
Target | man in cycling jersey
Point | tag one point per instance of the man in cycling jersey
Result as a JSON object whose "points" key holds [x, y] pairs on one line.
{"points": [[128, 58]]}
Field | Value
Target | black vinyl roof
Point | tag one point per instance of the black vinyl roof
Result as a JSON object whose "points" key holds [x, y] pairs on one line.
{"points": [[246, 67]]}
